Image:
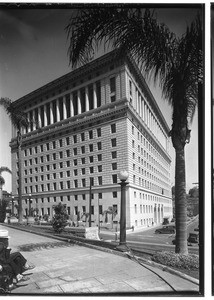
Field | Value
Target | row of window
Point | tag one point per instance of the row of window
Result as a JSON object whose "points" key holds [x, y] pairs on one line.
{"points": [[150, 147], [146, 113], [67, 185]]}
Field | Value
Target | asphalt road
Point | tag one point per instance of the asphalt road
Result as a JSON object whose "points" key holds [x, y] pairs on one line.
{"points": [[149, 240]]}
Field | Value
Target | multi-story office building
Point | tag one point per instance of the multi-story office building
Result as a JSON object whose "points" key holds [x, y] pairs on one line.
{"points": [[94, 122]]}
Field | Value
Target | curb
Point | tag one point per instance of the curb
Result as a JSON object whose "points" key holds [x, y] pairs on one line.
{"points": [[78, 241]]}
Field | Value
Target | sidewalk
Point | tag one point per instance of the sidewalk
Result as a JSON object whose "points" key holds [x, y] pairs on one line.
{"points": [[63, 268]]}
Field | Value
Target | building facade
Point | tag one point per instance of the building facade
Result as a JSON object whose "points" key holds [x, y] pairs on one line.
{"points": [[94, 122]]}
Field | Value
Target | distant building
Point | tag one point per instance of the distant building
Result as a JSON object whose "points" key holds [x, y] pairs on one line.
{"points": [[95, 121]]}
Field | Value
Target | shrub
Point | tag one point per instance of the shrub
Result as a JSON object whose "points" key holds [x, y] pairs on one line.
{"points": [[190, 261], [60, 218]]}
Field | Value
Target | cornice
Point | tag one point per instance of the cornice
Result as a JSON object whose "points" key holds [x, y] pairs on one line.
{"points": [[68, 78]]}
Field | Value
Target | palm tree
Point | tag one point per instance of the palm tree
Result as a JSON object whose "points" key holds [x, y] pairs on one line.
{"points": [[110, 211], [175, 62], [19, 120]]}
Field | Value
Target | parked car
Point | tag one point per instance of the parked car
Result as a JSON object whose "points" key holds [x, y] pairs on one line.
{"points": [[166, 230], [193, 238]]}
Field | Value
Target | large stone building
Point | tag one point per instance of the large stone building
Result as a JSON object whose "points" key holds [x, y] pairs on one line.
{"points": [[94, 122]]}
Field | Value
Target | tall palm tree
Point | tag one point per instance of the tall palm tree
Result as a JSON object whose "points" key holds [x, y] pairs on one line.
{"points": [[19, 120], [176, 63]]}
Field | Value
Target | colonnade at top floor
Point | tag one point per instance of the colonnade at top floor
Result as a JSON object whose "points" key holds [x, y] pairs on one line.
{"points": [[63, 107]]}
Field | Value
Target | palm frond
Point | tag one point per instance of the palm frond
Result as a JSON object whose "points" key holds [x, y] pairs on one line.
{"points": [[5, 169], [2, 181]]}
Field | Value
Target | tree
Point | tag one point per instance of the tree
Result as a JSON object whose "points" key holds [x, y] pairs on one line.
{"points": [[110, 211], [19, 120], [60, 219], [176, 63]]}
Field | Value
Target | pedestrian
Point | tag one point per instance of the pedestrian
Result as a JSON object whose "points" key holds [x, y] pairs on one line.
{"points": [[14, 263]]}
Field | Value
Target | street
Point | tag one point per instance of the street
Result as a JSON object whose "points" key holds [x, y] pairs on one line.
{"points": [[147, 239]]}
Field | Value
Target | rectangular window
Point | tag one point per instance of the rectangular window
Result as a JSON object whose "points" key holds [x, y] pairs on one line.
{"points": [[100, 180], [82, 136], [68, 153], [67, 163], [114, 166], [90, 134], [91, 169], [83, 182], [113, 128], [113, 142], [99, 157], [83, 160], [112, 85], [114, 194], [83, 149], [114, 178], [99, 146], [99, 168], [92, 210], [75, 162], [75, 151], [91, 148], [68, 173], [60, 142], [100, 209], [91, 159], [114, 154], [54, 144], [115, 208], [75, 183], [47, 146], [74, 139], [67, 141], [100, 195], [98, 132]]}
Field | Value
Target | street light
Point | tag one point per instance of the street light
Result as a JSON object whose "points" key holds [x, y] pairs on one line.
{"points": [[29, 214], [123, 176], [12, 212]]}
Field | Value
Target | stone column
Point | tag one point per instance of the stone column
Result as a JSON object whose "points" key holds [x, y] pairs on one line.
{"points": [[86, 99], [95, 95], [39, 116], [51, 113], [57, 111], [65, 115], [45, 115], [79, 110], [34, 120], [71, 105]]}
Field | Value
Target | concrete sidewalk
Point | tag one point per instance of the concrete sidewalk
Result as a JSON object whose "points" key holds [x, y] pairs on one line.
{"points": [[63, 268]]}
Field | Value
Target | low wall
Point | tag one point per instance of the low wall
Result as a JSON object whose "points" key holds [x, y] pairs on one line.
{"points": [[84, 232]]}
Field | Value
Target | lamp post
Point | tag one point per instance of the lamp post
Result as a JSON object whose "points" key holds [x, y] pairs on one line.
{"points": [[89, 221], [123, 176], [12, 199], [29, 213]]}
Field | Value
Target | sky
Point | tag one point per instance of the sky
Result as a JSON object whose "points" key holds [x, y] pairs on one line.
{"points": [[33, 52]]}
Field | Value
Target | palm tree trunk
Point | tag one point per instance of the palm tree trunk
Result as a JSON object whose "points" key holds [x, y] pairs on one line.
{"points": [[180, 203], [19, 153]]}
